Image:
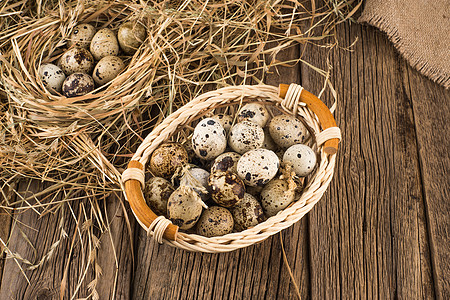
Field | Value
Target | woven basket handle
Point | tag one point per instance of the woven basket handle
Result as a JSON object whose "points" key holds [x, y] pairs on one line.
{"points": [[137, 202], [322, 112]]}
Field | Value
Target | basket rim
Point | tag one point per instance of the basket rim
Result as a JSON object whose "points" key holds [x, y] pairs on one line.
{"points": [[196, 108]]}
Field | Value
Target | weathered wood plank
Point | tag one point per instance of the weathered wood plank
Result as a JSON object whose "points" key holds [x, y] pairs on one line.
{"points": [[430, 104], [367, 244], [44, 233]]}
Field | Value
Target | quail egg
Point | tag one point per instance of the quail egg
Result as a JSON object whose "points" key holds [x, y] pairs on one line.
{"points": [[302, 158], [254, 112], [215, 221], [77, 84], [208, 139], [247, 213], [81, 36], [225, 120], [226, 162], [131, 36], [197, 178], [276, 196], [52, 76], [226, 188], [104, 43], [257, 167], [157, 192], [246, 136], [107, 69], [184, 207], [287, 131], [167, 159], [76, 60]]}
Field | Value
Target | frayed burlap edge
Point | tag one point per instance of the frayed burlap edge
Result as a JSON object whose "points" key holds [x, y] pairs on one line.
{"points": [[416, 61]]}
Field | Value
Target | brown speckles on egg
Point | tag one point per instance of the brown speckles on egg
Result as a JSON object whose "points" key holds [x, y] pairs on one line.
{"points": [[302, 158], [247, 213], [254, 112], [104, 71], [77, 84], [226, 188], [76, 60], [208, 139], [52, 77], [184, 207], [215, 221], [246, 136], [156, 193], [257, 167], [82, 35], [104, 43], [167, 159], [287, 130], [276, 196], [226, 162]]}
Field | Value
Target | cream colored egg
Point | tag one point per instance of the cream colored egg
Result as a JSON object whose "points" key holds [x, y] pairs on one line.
{"points": [[81, 36], [302, 158], [131, 36], [52, 76], [107, 69], [104, 43], [76, 60]]}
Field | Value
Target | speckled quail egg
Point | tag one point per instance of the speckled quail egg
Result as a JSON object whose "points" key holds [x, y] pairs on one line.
{"points": [[209, 139], [197, 178], [276, 196], [247, 213], [226, 188], [81, 36], [215, 221], [184, 207], [104, 43], [52, 76], [225, 120], [302, 158], [76, 60], [246, 136], [107, 69], [257, 167], [287, 131], [226, 162], [131, 36], [156, 193], [167, 159], [254, 112], [77, 84]]}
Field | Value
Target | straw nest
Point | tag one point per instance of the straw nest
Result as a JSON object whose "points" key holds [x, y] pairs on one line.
{"points": [[190, 45]]}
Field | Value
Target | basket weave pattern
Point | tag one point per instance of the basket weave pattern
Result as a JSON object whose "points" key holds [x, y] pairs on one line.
{"points": [[313, 191]]}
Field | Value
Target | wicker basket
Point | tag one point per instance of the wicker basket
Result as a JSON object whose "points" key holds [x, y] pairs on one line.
{"points": [[291, 99]]}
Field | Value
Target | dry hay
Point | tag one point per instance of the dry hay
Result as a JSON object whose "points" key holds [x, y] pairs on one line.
{"points": [[192, 46]]}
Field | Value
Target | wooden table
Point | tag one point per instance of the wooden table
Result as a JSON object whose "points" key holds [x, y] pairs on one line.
{"points": [[380, 231]]}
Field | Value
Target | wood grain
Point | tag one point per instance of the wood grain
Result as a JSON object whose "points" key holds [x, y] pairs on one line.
{"points": [[44, 232], [366, 244], [430, 104]]}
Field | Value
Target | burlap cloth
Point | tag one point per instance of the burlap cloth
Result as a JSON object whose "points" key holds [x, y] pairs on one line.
{"points": [[419, 30]]}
